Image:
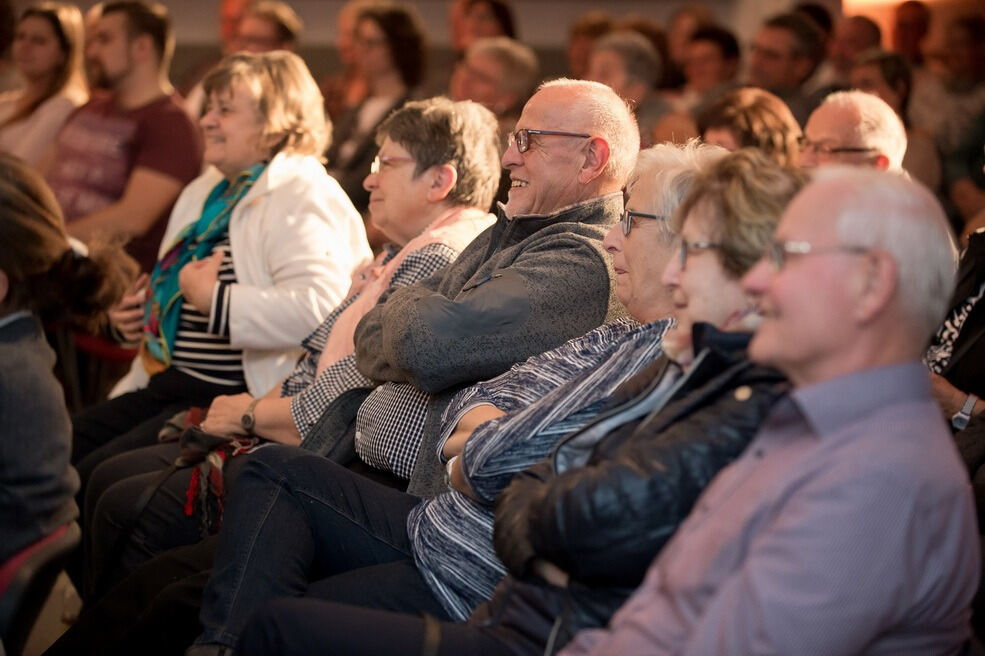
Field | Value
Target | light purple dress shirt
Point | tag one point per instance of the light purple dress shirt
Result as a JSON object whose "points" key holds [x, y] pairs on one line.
{"points": [[846, 527]]}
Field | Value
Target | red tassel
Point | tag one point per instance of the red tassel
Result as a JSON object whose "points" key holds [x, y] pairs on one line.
{"points": [[191, 493]]}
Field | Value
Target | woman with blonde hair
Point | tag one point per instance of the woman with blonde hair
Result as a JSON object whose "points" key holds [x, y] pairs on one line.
{"points": [[258, 250], [47, 51], [42, 278]]}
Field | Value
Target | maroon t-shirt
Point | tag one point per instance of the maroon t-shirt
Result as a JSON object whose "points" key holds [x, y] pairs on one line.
{"points": [[100, 145]]}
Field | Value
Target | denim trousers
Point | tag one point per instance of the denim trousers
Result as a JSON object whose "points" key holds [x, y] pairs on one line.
{"points": [[295, 517]]}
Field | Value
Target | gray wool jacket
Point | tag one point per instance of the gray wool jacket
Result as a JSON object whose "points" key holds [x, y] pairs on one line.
{"points": [[524, 286]]}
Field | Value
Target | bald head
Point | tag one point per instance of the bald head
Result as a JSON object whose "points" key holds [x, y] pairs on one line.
{"points": [[579, 140], [855, 128], [866, 272], [603, 113]]}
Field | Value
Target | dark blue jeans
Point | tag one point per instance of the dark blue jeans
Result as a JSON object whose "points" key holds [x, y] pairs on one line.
{"points": [[295, 517]]}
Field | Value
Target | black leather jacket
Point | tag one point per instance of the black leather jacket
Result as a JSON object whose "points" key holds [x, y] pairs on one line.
{"points": [[604, 522]]}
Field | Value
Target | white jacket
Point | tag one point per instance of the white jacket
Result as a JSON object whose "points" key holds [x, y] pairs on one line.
{"points": [[295, 240]]}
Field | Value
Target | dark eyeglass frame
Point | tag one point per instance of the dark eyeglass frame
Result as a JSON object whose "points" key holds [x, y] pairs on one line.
{"points": [[626, 221], [521, 137], [804, 144], [778, 251], [688, 246]]}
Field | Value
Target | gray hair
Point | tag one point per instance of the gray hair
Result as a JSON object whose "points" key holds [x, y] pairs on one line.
{"points": [[611, 119], [671, 168], [885, 211], [641, 59], [877, 126], [521, 69]]}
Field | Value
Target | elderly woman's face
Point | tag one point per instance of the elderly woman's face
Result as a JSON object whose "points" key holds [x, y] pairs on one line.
{"points": [[232, 127], [702, 290], [639, 257]]}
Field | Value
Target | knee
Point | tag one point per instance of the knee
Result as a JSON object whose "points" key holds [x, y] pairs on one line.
{"points": [[270, 627]]}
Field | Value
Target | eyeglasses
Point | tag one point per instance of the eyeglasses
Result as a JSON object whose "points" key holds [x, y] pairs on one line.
{"points": [[382, 161], [522, 137], [688, 246], [827, 149], [627, 219], [780, 250]]}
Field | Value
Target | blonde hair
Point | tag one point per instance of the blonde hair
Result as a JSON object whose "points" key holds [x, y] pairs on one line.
{"points": [[743, 195], [286, 96]]}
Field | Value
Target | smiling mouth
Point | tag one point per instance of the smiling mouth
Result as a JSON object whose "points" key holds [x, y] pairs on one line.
{"points": [[518, 183]]}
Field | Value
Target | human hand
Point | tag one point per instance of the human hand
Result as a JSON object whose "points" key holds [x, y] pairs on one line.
{"points": [[948, 397], [225, 415], [471, 420], [197, 280], [127, 316]]}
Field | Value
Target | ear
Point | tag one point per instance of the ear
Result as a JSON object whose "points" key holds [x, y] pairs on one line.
{"points": [[596, 157], [876, 285], [143, 47], [443, 179]]}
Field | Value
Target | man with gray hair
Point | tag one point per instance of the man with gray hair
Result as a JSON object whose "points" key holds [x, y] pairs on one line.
{"points": [[848, 525], [628, 63], [855, 128], [499, 73]]}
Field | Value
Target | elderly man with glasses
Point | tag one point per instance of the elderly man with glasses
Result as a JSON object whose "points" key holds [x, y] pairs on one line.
{"points": [[848, 524], [854, 128]]}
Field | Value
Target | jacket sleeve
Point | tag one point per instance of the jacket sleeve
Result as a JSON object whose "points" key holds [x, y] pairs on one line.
{"points": [[308, 254], [553, 291], [604, 523]]}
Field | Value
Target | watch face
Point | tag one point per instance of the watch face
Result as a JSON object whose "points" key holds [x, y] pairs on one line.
{"points": [[247, 421]]}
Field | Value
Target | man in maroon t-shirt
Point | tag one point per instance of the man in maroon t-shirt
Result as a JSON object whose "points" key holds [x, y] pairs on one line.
{"points": [[121, 160]]}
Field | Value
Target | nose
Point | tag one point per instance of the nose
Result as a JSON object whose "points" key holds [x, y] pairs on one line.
{"points": [[758, 277], [613, 239], [671, 276], [511, 156], [208, 118], [370, 181]]}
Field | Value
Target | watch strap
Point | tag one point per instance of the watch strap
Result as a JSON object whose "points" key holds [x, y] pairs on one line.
{"points": [[963, 416]]}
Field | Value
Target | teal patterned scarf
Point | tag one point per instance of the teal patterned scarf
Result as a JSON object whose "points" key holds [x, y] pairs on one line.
{"points": [[163, 307]]}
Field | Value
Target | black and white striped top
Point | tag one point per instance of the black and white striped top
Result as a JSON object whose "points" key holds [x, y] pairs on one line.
{"points": [[201, 345]]}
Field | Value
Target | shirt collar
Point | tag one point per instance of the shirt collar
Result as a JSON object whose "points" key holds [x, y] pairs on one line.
{"points": [[835, 403]]}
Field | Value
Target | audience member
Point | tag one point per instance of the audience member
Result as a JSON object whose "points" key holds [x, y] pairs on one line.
{"points": [[752, 118], [42, 278], [48, 54], [482, 19], [911, 25], [818, 13], [583, 33], [653, 32], [498, 73], [391, 55], [655, 453], [783, 56], [121, 160], [887, 75], [433, 179], [948, 105], [681, 26], [847, 525], [954, 355], [628, 63], [263, 27], [258, 250], [347, 88], [855, 128], [521, 288], [852, 36], [711, 63]]}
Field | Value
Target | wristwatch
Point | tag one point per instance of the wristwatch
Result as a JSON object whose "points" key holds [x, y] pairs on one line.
{"points": [[248, 421], [963, 416]]}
